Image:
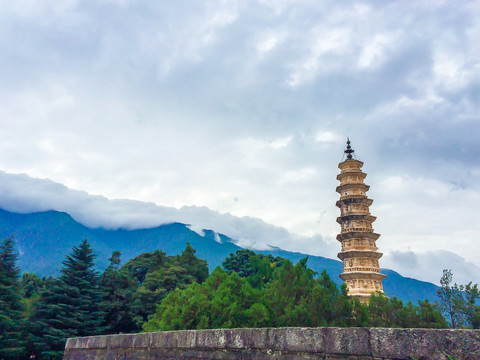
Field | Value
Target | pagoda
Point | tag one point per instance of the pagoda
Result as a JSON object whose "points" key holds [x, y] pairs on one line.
{"points": [[361, 270]]}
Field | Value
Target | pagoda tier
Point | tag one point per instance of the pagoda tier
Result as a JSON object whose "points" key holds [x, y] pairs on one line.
{"points": [[359, 254]]}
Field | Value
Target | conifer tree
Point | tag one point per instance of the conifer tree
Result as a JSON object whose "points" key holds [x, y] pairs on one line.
{"points": [[82, 293], [47, 331], [118, 288], [196, 267], [69, 306], [12, 345]]}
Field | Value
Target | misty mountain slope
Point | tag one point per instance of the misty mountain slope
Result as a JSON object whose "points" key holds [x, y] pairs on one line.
{"points": [[44, 238]]}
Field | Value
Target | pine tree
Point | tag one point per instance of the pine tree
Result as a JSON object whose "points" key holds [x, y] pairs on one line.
{"points": [[69, 306], [196, 267], [12, 345], [46, 328], [118, 288], [79, 280]]}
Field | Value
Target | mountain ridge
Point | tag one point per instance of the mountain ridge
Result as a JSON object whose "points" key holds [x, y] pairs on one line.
{"points": [[44, 238]]}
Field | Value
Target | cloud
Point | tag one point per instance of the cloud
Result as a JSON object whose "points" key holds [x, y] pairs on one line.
{"points": [[429, 265], [243, 108], [20, 193]]}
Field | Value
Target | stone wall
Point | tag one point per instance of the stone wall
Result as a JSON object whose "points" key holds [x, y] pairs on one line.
{"points": [[282, 343]]}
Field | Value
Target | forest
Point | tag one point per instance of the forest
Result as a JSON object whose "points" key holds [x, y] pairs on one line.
{"points": [[155, 292]]}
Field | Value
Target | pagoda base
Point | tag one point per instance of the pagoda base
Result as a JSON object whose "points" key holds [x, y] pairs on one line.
{"points": [[363, 283]]}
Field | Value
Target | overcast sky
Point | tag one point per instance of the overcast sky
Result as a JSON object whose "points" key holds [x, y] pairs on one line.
{"points": [[243, 107]]}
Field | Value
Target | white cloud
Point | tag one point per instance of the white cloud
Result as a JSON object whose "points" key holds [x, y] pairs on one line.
{"points": [[296, 176], [242, 107], [429, 265], [327, 136], [20, 193]]}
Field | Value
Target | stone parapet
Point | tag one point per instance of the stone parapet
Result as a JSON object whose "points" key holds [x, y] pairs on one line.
{"points": [[281, 343]]}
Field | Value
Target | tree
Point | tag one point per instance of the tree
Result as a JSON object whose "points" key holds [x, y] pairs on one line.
{"points": [[257, 268], [323, 304], [12, 344], [429, 316], [222, 301], [284, 293], [181, 310], [47, 330], [144, 263], [31, 286], [69, 306], [239, 262], [390, 312], [196, 267], [470, 309], [80, 283], [476, 318], [449, 299], [155, 287], [458, 302], [234, 303], [115, 261], [118, 288], [157, 275]]}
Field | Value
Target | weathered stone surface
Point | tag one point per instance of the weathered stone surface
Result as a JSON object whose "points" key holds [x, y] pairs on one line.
{"points": [[282, 343], [354, 342], [426, 343]]}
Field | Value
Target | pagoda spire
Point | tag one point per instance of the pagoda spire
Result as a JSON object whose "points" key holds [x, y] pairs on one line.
{"points": [[349, 151], [359, 253]]}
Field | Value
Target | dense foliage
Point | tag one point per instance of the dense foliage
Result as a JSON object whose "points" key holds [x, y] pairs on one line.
{"points": [[158, 292], [254, 290], [12, 344]]}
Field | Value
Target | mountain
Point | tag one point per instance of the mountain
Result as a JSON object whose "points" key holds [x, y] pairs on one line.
{"points": [[44, 238]]}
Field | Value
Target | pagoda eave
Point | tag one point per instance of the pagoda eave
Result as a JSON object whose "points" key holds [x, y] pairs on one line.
{"points": [[359, 253], [350, 217], [344, 187], [357, 235], [354, 200], [358, 173], [347, 162], [363, 275]]}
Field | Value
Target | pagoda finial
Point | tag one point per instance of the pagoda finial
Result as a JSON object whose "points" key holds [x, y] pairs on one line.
{"points": [[349, 151]]}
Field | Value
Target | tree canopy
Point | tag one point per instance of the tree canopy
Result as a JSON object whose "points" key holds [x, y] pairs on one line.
{"points": [[12, 344], [154, 292]]}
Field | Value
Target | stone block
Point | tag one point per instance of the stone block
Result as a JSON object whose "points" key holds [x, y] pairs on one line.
{"points": [[71, 343], [308, 340], [245, 338], [81, 343], [425, 344], [355, 341], [276, 339], [120, 341], [168, 339], [142, 340], [210, 339]]}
